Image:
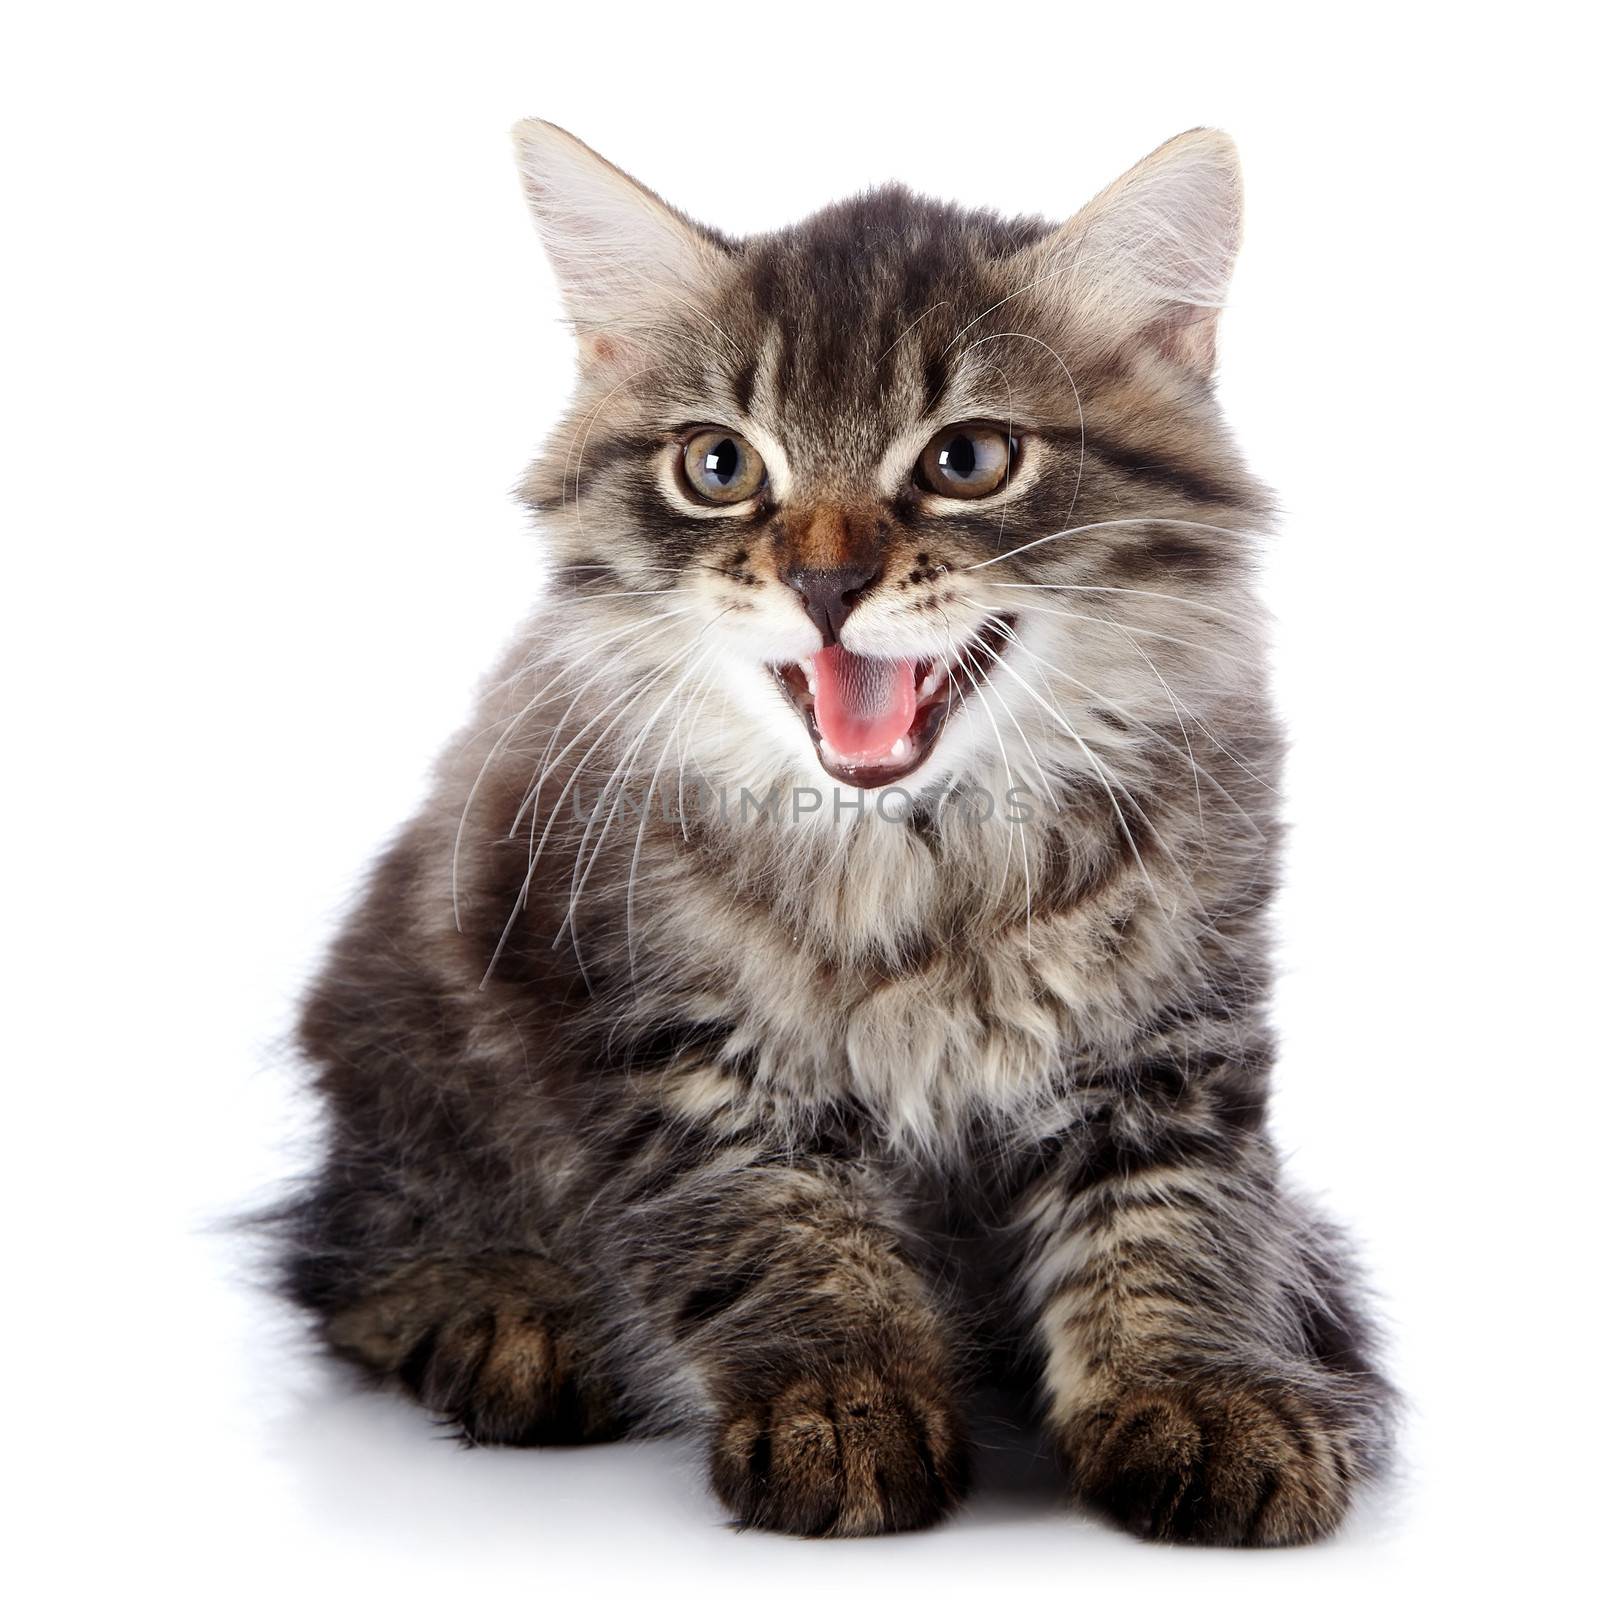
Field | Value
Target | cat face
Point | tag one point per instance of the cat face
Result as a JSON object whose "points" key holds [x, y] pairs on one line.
{"points": [[904, 496]]}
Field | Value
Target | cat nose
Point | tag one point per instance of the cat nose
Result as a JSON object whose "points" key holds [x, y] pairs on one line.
{"points": [[829, 594]]}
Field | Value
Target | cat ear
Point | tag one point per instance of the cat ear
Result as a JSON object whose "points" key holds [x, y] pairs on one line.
{"points": [[624, 258], [1148, 259]]}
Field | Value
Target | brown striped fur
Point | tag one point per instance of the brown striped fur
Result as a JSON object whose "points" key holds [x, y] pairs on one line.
{"points": [[701, 1120]]}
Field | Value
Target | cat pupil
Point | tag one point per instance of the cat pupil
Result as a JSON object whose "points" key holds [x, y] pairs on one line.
{"points": [[722, 461], [959, 457]]}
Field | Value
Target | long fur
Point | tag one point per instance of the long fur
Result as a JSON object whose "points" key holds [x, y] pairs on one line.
{"points": [[671, 1083]]}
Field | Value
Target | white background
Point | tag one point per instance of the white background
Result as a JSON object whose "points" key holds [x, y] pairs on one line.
{"points": [[278, 340]]}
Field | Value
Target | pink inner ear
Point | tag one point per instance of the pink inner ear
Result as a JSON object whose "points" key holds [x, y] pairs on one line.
{"points": [[1187, 335], [605, 348]]}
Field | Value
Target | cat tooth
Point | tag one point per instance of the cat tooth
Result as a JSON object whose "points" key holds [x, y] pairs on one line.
{"points": [[900, 749], [932, 684], [811, 674], [828, 752]]}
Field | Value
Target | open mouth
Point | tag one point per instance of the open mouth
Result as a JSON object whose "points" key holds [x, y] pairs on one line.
{"points": [[875, 720]]}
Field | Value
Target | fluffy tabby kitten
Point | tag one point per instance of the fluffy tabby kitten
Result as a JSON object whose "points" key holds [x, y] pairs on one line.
{"points": [[832, 966]]}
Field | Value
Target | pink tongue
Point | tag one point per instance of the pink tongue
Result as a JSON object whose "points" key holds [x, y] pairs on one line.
{"points": [[863, 704]]}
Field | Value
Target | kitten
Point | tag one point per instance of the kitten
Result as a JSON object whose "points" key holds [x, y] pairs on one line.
{"points": [[832, 966]]}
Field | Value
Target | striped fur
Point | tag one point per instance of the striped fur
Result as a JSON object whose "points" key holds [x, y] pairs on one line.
{"points": [[789, 1122]]}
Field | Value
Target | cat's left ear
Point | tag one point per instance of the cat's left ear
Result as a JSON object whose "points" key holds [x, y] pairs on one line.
{"points": [[626, 261], [1148, 259]]}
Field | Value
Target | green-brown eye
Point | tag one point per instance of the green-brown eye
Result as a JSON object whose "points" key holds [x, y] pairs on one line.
{"points": [[723, 468], [967, 461]]}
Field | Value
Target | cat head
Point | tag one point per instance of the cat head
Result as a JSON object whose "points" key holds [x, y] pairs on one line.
{"points": [[904, 495]]}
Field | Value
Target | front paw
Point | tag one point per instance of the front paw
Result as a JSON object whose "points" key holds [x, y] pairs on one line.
{"points": [[490, 1344], [841, 1455], [1224, 1463]]}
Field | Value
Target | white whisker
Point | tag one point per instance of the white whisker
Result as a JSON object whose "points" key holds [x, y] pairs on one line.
{"points": [[1077, 399], [1153, 594], [1100, 772], [1128, 627], [500, 743], [1113, 522]]}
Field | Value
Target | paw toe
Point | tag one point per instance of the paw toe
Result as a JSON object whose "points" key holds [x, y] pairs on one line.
{"points": [[840, 1457], [496, 1368], [1211, 1465]]}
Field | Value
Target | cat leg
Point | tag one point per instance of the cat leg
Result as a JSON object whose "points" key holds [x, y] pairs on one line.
{"points": [[1204, 1374], [769, 1298], [501, 1345]]}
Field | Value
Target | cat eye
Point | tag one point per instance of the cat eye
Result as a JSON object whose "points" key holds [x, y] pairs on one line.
{"points": [[722, 468], [967, 461]]}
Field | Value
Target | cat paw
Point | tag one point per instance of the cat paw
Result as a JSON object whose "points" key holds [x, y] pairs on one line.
{"points": [[1212, 1464], [483, 1348], [841, 1456]]}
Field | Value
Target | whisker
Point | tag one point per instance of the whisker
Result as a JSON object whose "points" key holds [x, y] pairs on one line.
{"points": [[1017, 831], [575, 693], [536, 852], [1183, 728], [583, 441], [537, 781], [619, 777], [1113, 522], [615, 786], [1044, 783], [500, 743], [1094, 761], [577, 477], [1177, 866], [1044, 277], [956, 669], [1077, 400], [910, 327], [1124, 712], [1128, 627], [687, 752], [1106, 588], [644, 811]]}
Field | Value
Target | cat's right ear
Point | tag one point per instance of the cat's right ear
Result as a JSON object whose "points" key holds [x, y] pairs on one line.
{"points": [[1147, 261], [627, 262]]}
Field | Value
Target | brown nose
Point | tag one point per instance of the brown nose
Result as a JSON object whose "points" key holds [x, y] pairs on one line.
{"points": [[830, 593]]}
